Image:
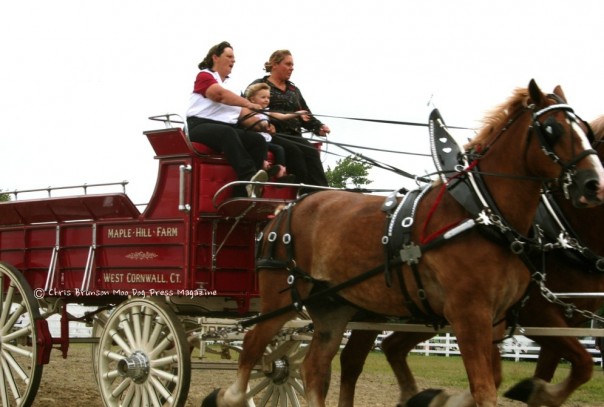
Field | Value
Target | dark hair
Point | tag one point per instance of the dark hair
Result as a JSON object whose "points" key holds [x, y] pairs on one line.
{"points": [[217, 50]]}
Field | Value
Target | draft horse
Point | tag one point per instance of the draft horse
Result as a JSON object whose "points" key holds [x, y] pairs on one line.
{"points": [[574, 262], [326, 251]]}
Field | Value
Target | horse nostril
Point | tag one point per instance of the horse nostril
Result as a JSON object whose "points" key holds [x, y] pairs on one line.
{"points": [[592, 185]]}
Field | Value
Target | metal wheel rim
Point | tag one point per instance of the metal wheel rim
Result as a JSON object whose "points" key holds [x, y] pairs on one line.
{"points": [[143, 329]]}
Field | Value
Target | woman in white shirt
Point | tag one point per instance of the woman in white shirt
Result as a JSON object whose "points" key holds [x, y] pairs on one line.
{"points": [[212, 117]]}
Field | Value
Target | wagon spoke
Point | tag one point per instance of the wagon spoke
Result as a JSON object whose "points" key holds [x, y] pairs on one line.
{"points": [[163, 345], [296, 384], [161, 389], [115, 336], [9, 378], [6, 304], [151, 395], [15, 365], [158, 328], [113, 356], [3, 389], [112, 374], [136, 325], [143, 395], [259, 387], [18, 311], [124, 384], [146, 325], [166, 361], [167, 376], [282, 397], [129, 395], [20, 333], [267, 396], [127, 331]]}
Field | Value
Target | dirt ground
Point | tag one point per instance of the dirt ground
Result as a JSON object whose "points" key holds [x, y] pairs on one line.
{"points": [[70, 383]]}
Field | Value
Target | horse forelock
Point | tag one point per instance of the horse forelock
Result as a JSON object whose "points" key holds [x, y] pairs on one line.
{"points": [[499, 117], [597, 126]]}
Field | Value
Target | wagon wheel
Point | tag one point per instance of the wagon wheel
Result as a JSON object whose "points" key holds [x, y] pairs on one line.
{"points": [[278, 382], [20, 372], [143, 356]]}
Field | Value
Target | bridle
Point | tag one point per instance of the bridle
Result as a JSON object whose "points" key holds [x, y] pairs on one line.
{"points": [[544, 131]]}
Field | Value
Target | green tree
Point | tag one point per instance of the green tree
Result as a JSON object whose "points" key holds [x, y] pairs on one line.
{"points": [[4, 196], [346, 169]]}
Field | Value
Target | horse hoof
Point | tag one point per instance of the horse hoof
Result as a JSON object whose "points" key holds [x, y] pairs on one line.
{"points": [[423, 398], [211, 399], [521, 391]]}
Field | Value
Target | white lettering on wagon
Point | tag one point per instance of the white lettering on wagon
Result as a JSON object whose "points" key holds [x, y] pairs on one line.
{"points": [[141, 232], [134, 278]]}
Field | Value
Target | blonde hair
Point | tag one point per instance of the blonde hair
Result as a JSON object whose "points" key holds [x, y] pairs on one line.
{"points": [[275, 58], [251, 90]]}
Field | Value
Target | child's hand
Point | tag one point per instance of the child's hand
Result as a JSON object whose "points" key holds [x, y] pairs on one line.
{"points": [[303, 115]]}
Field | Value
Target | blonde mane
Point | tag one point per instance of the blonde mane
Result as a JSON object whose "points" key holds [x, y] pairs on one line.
{"points": [[498, 118]]}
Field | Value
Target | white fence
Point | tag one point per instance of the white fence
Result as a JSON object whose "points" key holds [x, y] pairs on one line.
{"points": [[76, 329], [516, 348]]}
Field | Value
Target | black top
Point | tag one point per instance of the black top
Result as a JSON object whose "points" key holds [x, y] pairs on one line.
{"points": [[288, 101]]}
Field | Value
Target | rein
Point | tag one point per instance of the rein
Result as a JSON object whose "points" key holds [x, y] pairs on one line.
{"points": [[404, 123]]}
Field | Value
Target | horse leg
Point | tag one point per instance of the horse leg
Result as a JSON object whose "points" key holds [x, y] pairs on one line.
{"points": [[477, 349], [329, 326], [537, 391], [438, 398], [547, 362], [397, 347], [352, 359]]}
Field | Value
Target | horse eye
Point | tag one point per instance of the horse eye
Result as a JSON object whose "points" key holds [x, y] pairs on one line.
{"points": [[553, 130]]}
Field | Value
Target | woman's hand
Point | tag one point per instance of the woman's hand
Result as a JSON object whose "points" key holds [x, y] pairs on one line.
{"points": [[253, 106], [324, 130]]}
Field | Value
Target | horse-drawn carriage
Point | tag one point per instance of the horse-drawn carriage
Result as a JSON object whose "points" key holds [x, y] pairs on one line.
{"points": [[168, 278]]}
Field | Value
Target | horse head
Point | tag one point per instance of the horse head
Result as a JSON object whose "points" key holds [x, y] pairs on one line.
{"points": [[565, 139]]}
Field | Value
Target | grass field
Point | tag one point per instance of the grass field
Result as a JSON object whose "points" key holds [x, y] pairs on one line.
{"points": [[448, 372]]}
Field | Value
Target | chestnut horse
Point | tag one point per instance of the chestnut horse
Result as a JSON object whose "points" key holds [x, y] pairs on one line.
{"points": [[326, 251], [580, 273]]}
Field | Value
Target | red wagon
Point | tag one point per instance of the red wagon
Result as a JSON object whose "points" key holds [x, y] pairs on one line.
{"points": [[159, 279]]}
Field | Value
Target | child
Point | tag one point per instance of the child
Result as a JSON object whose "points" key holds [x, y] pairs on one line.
{"points": [[259, 93]]}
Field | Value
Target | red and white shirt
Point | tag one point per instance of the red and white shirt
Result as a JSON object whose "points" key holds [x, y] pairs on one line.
{"points": [[201, 106]]}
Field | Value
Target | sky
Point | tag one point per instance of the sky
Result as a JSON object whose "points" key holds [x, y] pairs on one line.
{"points": [[80, 78]]}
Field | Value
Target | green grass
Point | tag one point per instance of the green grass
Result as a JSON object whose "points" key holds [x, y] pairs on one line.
{"points": [[448, 372]]}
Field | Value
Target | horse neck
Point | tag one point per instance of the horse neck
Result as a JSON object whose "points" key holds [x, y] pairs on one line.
{"points": [[516, 198]]}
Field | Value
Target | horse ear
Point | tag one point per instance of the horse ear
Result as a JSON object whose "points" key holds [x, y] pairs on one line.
{"points": [[535, 93], [558, 91]]}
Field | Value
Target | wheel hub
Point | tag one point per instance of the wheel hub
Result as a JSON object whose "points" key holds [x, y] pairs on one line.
{"points": [[280, 371], [136, 367]]}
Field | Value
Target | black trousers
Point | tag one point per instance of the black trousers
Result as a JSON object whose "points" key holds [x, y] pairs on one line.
{"points": [[244, 150], [302, 159]]}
